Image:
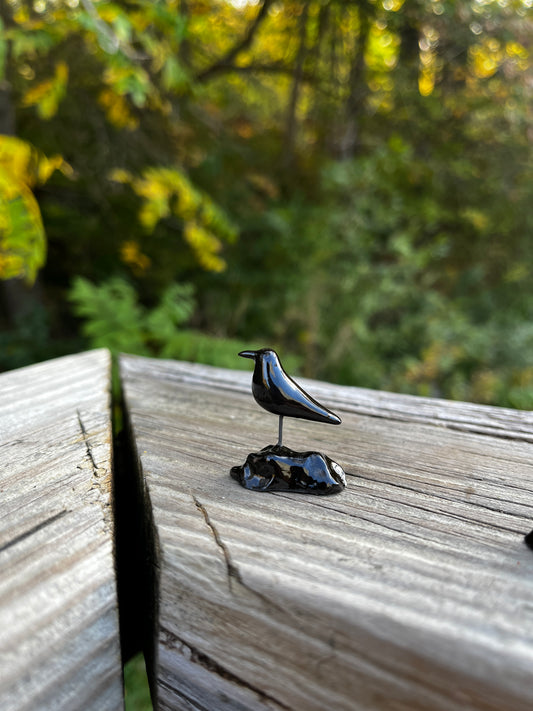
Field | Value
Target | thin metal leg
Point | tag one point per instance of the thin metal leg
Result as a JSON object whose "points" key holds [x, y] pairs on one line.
{"points": [[280, 434]]}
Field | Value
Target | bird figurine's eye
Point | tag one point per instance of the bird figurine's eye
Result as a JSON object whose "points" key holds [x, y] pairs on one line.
{"points": [[276, 467]]}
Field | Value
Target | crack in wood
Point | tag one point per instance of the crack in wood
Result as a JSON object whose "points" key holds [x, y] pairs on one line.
{"points": [[100, 483], [211, 665], [87, 443], [233, 571], [34, 529]]}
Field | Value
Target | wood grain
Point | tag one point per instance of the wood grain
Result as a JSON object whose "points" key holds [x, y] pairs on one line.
{"points": [[411, 590], [59, 641], [462, 416]]}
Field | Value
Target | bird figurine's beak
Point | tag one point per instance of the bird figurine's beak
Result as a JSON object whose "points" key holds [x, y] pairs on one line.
{"points": [[248, 354]]}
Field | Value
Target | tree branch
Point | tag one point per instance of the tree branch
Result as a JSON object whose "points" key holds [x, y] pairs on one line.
{"points": [[241, 45]]}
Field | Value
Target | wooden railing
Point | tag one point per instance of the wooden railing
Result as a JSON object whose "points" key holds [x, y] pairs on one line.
{"points": [[410, 590]]}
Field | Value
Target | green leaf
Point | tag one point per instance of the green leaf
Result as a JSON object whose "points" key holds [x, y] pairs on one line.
{"points": [[176, 307], [112, 316], [174, 76]]}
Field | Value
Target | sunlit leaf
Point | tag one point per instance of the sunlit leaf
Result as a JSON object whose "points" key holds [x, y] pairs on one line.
{"points": [[168, 191], [22, 237], [25, 163], [205, 246], [117, 110], [131, 254], [47, 95]]}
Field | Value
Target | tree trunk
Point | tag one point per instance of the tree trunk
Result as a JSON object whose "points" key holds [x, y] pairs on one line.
{"points": [[290, 129], [7, 112], [348, 140], [408, 29]]}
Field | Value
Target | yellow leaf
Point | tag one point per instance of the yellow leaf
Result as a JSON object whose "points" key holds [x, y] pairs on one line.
{"points": [[205, 246], [131, 255], [139, 20], [119, 175], [518, 53], [108, 13], [117, 110], [393, 5], [16, 157], [168, 191], [27, 164], [22, 15], [486, 57], [22, 238], [153, 185], [48, 165], [47, 95], [152, 211]]}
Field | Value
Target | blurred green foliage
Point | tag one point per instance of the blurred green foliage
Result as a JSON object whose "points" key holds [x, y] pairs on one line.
{"points": [[136, 689], [350, 182], [113, 318], [395, 309]]}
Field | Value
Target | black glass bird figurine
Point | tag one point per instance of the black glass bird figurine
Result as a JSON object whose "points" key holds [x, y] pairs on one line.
{"points": [[277, 392], [276, 466]]}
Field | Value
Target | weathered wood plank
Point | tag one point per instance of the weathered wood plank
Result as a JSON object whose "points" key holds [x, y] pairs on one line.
{"points": [[463, 416], [410, 590], [59, 635]]}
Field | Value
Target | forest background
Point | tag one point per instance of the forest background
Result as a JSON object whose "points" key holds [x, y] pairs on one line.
{"points": [[349, 181]]}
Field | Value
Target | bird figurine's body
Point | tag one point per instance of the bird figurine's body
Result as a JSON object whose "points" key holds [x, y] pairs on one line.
{"points": [[277, 392]]}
